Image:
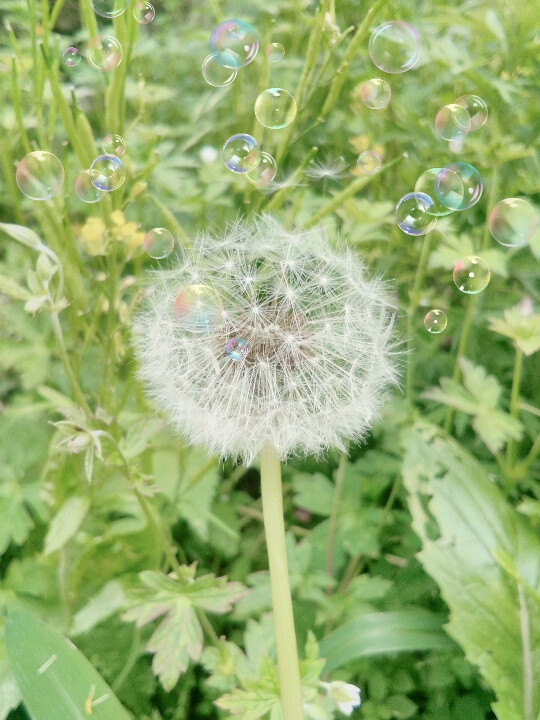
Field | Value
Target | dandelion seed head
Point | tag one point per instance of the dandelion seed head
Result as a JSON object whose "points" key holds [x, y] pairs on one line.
{"points": [[321, 351]]}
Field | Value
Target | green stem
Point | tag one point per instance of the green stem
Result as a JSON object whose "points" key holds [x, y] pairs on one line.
{"points": [[531, 457], [77, 392], [514, 406], [413, 305], [158, 530], [274, 525], [334, 512], [462, 348], [279, 198]]}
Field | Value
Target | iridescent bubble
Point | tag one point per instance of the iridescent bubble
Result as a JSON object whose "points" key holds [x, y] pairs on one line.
{"points": [[235, 42], [512, 222], [104, 53], [241, 153], [111, 173], [452, 122], [369, 162], [426, 184], [109, 8], [458, 186], [40, 175], [144, 12], [85, 188], [275, 108], [395, 47], [375, 94], [71, 56], [412, 214], [236, 348], [435, 321], [265, 171], [471, 274], [197, 308], [215, 73], [275, 52], [477, 109], [113, 145], [159, 243]]}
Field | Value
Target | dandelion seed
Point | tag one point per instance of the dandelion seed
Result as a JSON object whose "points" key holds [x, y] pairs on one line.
{"points": [[326, 170]]}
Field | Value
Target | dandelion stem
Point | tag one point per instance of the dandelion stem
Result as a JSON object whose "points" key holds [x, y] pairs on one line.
{"points": [[514, 405], [287, 653]]}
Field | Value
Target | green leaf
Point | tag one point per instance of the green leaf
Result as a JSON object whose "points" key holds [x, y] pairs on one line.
{"points": [[13, 289], [24, 235], [109, 600], [384, 633], [488, 618], [10, 696], [55, 679], [314, 493], [523, 329], [65, 523]]}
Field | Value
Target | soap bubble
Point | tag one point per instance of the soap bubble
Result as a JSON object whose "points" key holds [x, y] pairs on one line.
{"points": [[471, 274], [426, 184], [235, 43], [104, 53], [512, 222], [369, 162], [275, 108], [197, 308], [265, 171], [236, 348], [144, 12], [435, 321], [275, 52], [217, 74], [375, 94], [113, 145], [109, 8], [412, 214], [241, 153], [458, 186], [71, 56], [394, 47], [477, 109], [111, 173], [40, 175], [452, 122], [85, 188], [159, 243]]}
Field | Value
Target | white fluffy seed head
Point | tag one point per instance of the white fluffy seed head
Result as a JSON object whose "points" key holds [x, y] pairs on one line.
{"points": [[319, 334]]}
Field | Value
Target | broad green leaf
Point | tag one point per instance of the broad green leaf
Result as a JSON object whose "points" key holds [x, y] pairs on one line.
{"points": [[384, 633], [10, 696], [65, 523], [522, 328], [313, 492], [109, 600], [489, 616], [55, 679]]}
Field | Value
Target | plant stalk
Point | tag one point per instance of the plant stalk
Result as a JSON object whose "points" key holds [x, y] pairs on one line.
{"points": [[514, 405], [274, 525]]}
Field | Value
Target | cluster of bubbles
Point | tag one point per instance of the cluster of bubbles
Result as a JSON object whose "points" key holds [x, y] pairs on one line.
{"points": [[455, 121]]}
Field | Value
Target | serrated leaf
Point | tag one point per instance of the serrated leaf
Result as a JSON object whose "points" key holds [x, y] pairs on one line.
{"points": [[314, 493], [65, 523], [55, 679], [523, 329], [16, 520], [474, 522]]}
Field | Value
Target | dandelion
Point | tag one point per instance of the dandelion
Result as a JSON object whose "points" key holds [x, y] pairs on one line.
{"points": [[327, 170], [319, 360]]}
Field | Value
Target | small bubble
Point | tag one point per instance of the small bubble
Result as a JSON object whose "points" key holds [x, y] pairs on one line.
{"points": [[236, 348], [512, 222], [412, 214], [241, 153], [113, 145], [104, 53], [375, 94], [395, 47], [458, 186], [40, 175], [265, 171], [71, 56], [85, 188], [471, 274], [215, 73], [426, 184], [275, 108], [477, 109], [159, 243], [452, 122], [109, 8], [197, 308], [435, 321], [144, 12], [369, 162], [111, 173], [275, 52], [235, 43]]}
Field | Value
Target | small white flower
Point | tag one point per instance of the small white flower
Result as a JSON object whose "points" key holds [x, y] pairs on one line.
{"points": [[208, 154], [319, 356], [344, 695]]}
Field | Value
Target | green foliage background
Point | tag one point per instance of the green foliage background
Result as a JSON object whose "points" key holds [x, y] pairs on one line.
{"points": [[433, 522]]}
